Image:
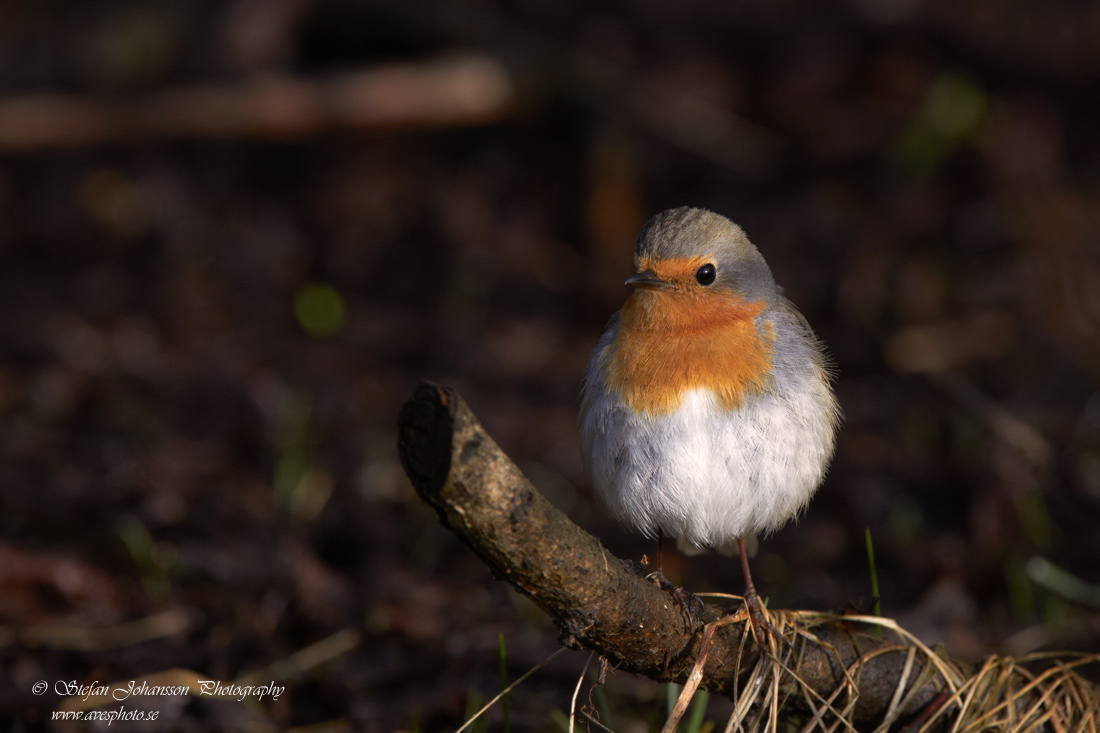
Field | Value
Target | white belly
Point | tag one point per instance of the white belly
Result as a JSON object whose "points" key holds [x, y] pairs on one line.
{"points": [[707, 475]]}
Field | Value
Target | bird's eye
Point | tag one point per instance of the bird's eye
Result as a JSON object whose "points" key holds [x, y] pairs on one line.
{"points": [[705, 275]]}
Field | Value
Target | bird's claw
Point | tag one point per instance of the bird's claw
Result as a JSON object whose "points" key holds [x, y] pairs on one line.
{"points": [[761, 627], [691, 607]]}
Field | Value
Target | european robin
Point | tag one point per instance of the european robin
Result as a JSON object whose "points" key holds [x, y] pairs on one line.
{"points": [[707, 412]]}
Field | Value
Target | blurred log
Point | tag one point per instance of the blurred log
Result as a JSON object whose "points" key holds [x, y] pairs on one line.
{"points": [[463, 91], [601, 603]]}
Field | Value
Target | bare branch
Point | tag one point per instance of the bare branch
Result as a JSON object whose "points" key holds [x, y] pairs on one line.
{"points": [[602, 603]]}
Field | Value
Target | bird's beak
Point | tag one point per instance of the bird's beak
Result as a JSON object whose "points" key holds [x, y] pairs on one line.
{"points": [[648, 280]]}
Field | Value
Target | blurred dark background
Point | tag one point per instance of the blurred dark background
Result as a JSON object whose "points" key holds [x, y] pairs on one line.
{"points": [[233, 236]]}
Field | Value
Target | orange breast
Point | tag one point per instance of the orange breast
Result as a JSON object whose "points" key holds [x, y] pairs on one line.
{"points": [[670, 342]]}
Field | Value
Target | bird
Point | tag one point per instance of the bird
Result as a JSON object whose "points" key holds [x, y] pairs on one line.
{"points": [[707, 408]]}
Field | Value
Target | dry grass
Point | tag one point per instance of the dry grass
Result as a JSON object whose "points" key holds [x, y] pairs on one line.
{"points": [[1038, 692]]}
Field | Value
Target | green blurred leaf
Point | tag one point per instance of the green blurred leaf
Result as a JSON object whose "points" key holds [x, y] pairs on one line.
{"points": [[951, 114], [1031, 509], [320, 310], [158, 561], [1048, 575], [955, 107]]}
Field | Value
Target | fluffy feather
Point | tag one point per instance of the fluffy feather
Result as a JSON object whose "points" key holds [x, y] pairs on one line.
{"points": [[667, 447]]}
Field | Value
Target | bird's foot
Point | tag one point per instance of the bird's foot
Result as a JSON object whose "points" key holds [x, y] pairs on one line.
{"points": [[691, 607], [761, 625]]}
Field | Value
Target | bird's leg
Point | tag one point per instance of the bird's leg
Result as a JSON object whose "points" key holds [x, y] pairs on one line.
{"points": [[690, 605], [657, 576], [758, 616]]}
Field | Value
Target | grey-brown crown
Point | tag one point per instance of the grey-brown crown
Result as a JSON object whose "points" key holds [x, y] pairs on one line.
{"points": [[691, 232]]}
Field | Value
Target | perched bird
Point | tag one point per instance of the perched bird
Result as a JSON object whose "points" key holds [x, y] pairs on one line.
{"points": [[707, 412]]}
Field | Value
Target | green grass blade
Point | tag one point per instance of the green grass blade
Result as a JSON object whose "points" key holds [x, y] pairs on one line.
{"points": [[504, 704], [698, 711], [874, 578]]}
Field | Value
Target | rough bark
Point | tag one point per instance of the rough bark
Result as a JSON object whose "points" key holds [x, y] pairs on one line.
{"points": [[601, 602]]}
